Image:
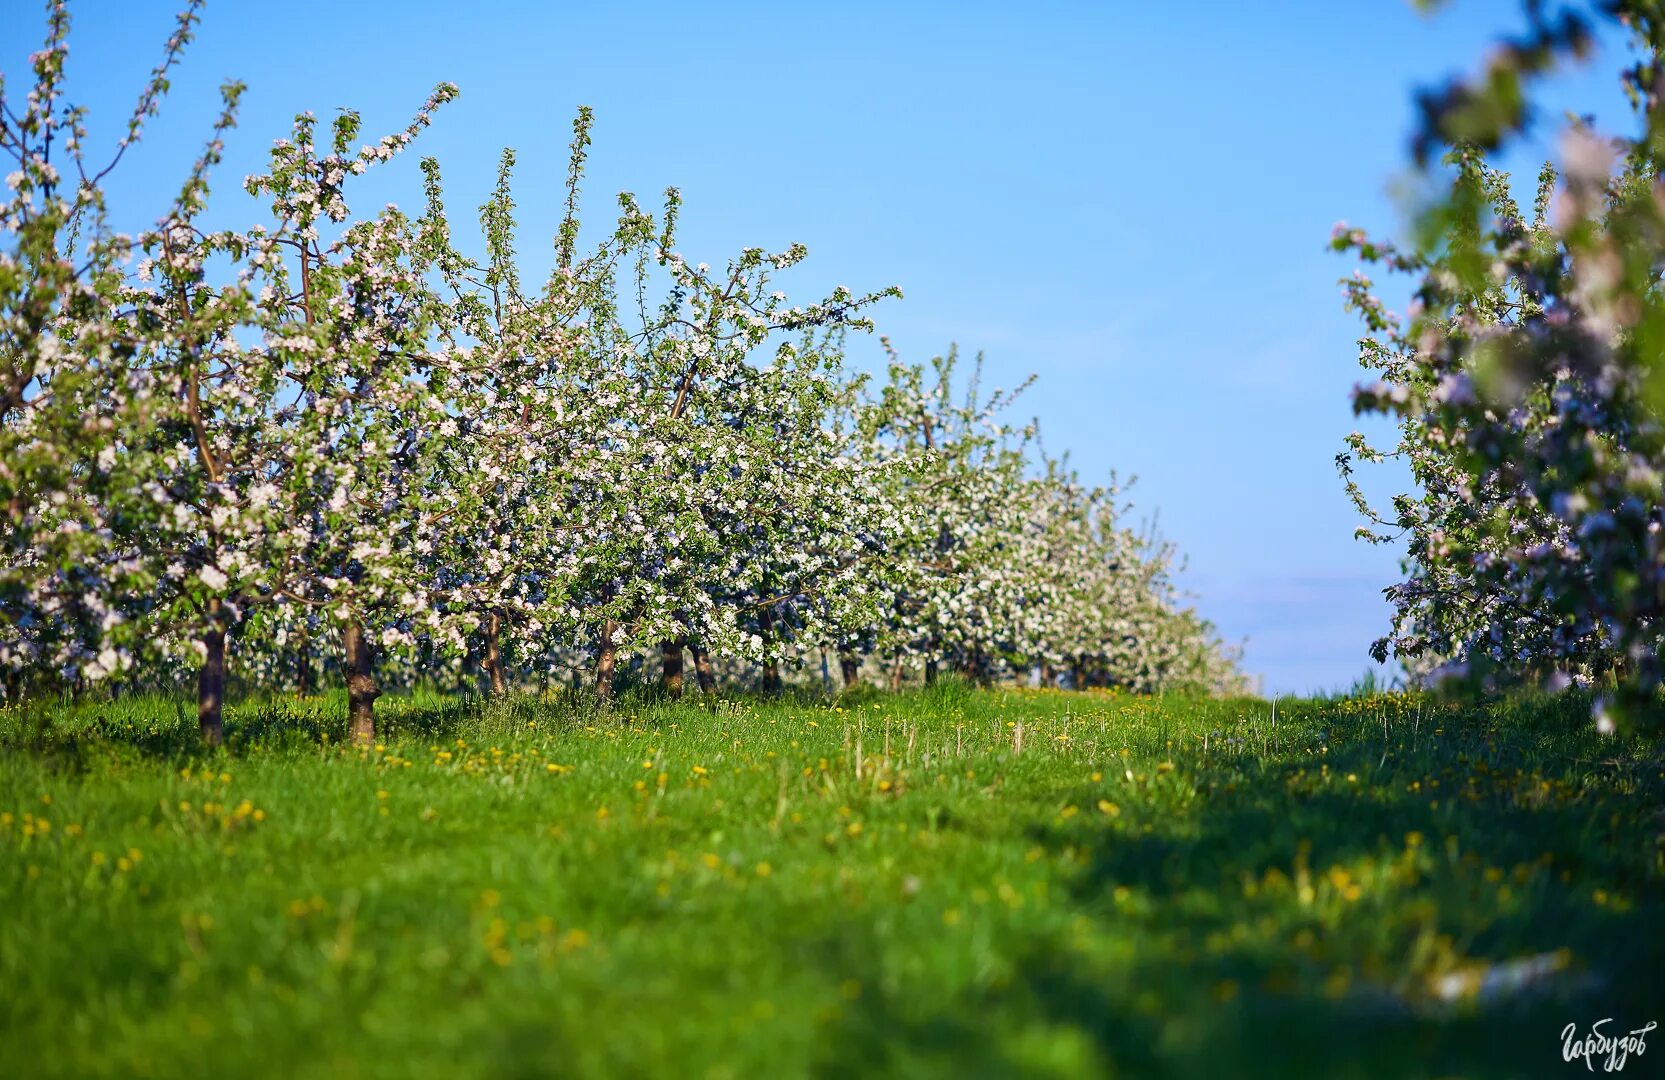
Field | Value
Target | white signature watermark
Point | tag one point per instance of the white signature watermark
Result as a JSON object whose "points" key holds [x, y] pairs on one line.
{"points": [[1611, 1050]]}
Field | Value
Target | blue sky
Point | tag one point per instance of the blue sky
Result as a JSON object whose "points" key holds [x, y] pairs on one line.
{"points": [[1129, 200]]}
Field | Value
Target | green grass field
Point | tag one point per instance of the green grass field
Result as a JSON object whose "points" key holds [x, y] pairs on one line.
{"points": [[946, 883]]}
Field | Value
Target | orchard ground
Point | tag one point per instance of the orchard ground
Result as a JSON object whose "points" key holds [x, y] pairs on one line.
{"points": [[993, 882]]}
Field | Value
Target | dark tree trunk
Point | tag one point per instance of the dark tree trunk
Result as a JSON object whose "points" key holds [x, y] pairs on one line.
{"points": [[362, 690], [930, 672], [607, 658], [771, 669], [211, 679], [672, 656], [702, 669], [1077, 677], [850, 667], [1046, 675], [494, 656], [303, 664]]}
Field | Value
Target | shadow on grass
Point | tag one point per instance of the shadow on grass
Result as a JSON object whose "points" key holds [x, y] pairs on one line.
{"points": [[1539, 841], [165, 728]]}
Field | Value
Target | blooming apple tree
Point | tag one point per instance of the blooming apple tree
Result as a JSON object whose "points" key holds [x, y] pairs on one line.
{"points": [[1528, 387]]}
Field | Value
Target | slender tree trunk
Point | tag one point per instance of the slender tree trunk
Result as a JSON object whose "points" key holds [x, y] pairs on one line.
{"points": [[671, 652], [896, 675], [850, 667], [607, 658], [1077, 677], [930, 672], [771, 670], [494, 656], [362, 690], [303, 664], [702, 668], [211, 679]]}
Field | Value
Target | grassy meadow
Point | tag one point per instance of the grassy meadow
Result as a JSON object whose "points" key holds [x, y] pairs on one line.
{"points": [[949, 882]]}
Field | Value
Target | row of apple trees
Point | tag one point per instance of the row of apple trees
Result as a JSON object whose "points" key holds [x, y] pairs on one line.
{"points": [[373, 448]]}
